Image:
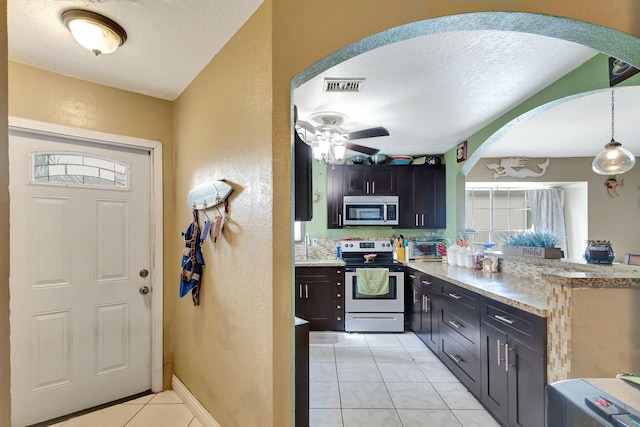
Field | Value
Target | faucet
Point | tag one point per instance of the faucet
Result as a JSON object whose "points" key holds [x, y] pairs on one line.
{"points": [[307, 242]]}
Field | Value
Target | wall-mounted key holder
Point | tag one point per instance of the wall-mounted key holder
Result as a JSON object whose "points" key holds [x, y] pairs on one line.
{"points": [[208, 194]]}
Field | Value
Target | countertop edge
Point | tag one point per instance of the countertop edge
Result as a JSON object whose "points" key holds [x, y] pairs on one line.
{"points": [[441, 272]]}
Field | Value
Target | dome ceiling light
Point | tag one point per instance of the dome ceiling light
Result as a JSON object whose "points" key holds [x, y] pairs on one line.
{"points": [[613, 159], [93, 31]]}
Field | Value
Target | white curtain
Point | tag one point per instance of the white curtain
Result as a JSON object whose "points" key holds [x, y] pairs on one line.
{"points": [[547, 213]]}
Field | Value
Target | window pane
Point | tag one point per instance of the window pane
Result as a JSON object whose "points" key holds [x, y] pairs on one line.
{"points": [[501, 219], [79, 169], [481, 219], [500, 199], [518, 220], [517, 199], [481, 199]]}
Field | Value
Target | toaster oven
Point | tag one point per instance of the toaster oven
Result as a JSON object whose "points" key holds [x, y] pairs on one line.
{"points": [[423, 250]]}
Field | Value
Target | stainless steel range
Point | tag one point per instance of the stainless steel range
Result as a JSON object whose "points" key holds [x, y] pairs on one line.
{"points": [[374, 294]]}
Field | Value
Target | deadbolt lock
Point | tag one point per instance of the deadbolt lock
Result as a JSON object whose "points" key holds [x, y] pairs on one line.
{"points": [[144, 272]]}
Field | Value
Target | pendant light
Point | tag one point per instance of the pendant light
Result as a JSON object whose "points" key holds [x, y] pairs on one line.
{"points": [[614, 159], [93, 31]]}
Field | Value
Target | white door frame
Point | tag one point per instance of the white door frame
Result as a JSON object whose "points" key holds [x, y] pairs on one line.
{"points": [[156, 220]]}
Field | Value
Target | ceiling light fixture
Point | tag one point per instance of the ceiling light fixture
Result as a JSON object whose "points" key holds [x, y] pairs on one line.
{"points": [[93, 31], [613, 159]]}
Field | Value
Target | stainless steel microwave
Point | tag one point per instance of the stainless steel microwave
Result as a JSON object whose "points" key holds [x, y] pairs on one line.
{"points": [[370, 210]]}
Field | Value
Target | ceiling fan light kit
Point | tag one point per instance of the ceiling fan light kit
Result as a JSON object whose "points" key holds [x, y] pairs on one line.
{"points": [[328, 140], [614, 159], [93, 31]]}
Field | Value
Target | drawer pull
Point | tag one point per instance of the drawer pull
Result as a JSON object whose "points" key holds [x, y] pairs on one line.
{"points": [[339, 318], [412, 276], [426, 282], [338, 307], [455, 324], [455, 358], [503, 319], [339, 295], [455, 296], [338, 283]]}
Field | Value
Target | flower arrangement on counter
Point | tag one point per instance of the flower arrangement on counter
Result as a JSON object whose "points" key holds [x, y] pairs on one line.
{"points": [[538, 244], [539, 239]]}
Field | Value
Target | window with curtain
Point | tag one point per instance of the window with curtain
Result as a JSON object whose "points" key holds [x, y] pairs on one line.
{"points": [[497, 212]]}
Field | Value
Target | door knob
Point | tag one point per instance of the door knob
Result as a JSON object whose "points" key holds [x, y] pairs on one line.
{"points": [[144, 273], [144, 289]]}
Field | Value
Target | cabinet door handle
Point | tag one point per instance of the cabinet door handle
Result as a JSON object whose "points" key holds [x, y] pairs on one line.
{"points": [[367, 187], [306, 291], [338, 307], [503, 319], [338, 284], [340, 220], [426, 282], [455, 358], [499, 348], [414, 296], [422, 220], [300, 286], [455, 296], [416, 220], [373, 187], [425, 303], [339, 296], [339, 318], [506, 357], [454, 324]]}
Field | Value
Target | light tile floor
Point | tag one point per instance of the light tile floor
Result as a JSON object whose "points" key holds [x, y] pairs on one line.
{"points": [[155, 410], [386, 380]]}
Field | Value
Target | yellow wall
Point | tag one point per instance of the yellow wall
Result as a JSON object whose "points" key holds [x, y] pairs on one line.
{"points": [[234, 351], [49, 97], [5, 376], [224, 349]]}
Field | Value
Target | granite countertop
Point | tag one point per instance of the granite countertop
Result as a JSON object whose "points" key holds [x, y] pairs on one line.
{"points": [[509, 289], [319, 262], [583, 279]]}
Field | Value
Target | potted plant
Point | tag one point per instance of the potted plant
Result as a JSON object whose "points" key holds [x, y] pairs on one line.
{"points": [[538, 244]]}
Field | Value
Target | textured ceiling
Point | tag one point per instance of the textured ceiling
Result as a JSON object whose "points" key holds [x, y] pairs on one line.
{"points": [[430, 92], [169, 41], [433, 92]]}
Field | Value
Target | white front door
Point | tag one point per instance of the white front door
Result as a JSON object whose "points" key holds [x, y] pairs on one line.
{"points": [[80, 249]]}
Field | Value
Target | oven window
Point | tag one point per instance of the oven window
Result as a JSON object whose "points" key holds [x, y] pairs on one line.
{"points": [[391, 295]]}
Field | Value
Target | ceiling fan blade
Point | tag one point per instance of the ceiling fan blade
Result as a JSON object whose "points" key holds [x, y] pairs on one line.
{"points": [[368, 133], [361, 149]]}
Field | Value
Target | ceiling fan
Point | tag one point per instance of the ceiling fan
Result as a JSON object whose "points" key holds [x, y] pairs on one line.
{"points": [[328, 139]]}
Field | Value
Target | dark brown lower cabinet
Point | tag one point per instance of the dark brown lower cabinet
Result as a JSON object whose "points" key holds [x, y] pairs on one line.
{"points": [[513, 373], [497, 351], [319, 294], [424, 310], [302, 373]]}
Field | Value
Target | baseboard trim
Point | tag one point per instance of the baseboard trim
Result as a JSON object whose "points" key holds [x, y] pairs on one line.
{"points": [[192, 403]]}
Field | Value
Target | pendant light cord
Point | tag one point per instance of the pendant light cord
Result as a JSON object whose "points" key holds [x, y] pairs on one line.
{"points": [[612, 116]]}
